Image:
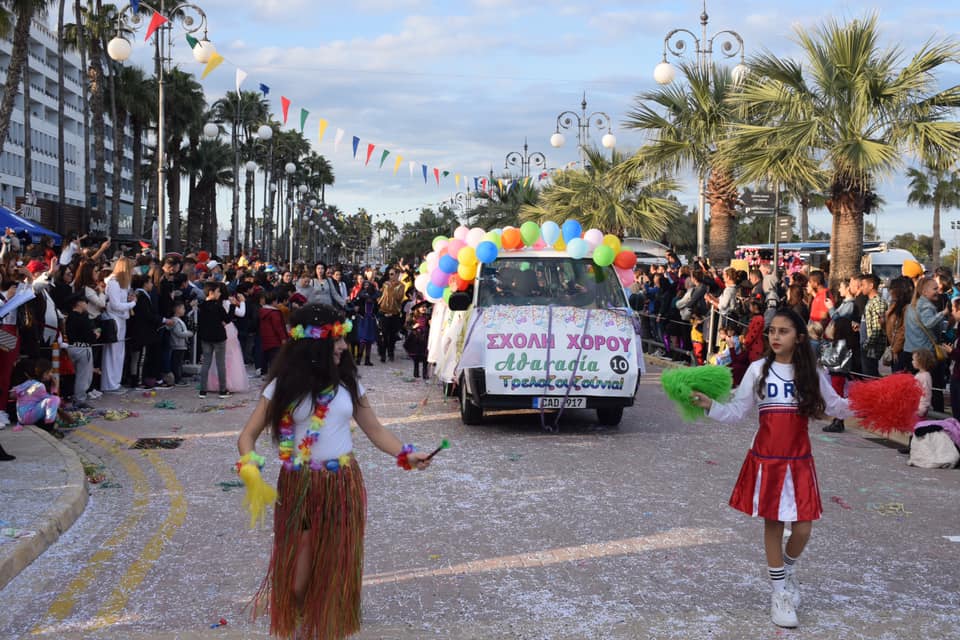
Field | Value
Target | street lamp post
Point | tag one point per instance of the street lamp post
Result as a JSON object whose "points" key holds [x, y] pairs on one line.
{"points": [[462, 201], [955, 225], [598, 118], [249, 226], [290, 168], [119, 49], [524, 160], [675, 42]]}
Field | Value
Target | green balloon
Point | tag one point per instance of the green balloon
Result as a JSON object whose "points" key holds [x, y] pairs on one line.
{"points": [[423, 267], [446, 294], [603, 256], [524, 266], [494, 237], [530, 232]]}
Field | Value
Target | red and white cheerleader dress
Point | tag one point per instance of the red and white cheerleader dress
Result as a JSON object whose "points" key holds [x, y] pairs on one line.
{"points": [[778, 480]]}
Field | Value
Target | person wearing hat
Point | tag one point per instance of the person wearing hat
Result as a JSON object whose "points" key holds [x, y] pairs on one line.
{"points": [[82, 334]]}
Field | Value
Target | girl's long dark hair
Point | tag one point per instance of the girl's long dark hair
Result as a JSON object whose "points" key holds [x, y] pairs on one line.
{"points": [[806, 377], [305, 367]]}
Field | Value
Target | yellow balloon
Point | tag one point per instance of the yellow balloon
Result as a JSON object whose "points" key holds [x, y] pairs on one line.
{"points": [[613, 242], [467, 272], [468, 256], [560, 245]]}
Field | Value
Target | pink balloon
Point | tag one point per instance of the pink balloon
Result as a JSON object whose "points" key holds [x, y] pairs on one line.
{"points": [[433, 255], [461, 233], [454, 247], [540, 244], [593, 237], [421, 282], [439, 278], [475, 237], [626, 276]]}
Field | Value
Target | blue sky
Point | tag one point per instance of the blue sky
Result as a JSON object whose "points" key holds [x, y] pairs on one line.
{"points": [[459, 85]]}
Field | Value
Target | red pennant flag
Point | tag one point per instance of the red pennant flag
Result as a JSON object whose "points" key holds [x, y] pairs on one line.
{"points": [[285, 105], [155, 23], [436, 174], [369, 153]]}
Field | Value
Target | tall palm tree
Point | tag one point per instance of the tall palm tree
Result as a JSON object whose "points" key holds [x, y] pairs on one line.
{"points": [[139, 96], [18, 15], [844, 117], [618, 202], [211, 162], [685, 123], [501, 206], [185, 111], [938, 186]]}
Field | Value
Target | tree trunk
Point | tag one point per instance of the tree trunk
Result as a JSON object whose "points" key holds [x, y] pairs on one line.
{"points": [[723, 197], [937, 244], [95, 73], [61, 123], [173, 201], [18, 57], [137, 222], [195, 209], [804, 217], [27, 129], [847, 241], [82, 44], [248, 209]]}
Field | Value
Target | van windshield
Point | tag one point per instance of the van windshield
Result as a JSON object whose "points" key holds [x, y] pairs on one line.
{"points": [[564, 281]]}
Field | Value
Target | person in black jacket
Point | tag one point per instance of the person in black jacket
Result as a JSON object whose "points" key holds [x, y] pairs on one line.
{"points": [[82, 334], [143, 332], [211, 329]]}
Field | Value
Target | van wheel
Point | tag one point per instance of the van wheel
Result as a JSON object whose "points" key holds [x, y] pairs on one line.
{"points": [[610, 417], [469, 412]]}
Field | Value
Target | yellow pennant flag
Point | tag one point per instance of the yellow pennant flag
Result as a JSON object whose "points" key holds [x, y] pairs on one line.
{"points": [[456, 180], [396, 165], [215, 60], [323, 129], [500, 182]]}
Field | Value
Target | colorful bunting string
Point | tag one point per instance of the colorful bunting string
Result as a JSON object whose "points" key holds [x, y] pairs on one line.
{"points": [[383, 156], [369, 153], [356, 143], [322, 129], [304, 114]]}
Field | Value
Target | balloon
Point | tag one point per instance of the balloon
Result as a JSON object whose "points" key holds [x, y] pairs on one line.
{"points": [[437, 241], [530, 232], [550, 231], [467, 272], [421, 282], [486, 252], [439, 278], [540, 244], [448, 264], [461, 233], [626, 259], [524, 266], [511, 238], [454, 247], [577, 248], [571, 229], [475, 237], [455, 282], [594, 238], [423, 267], [613, 242], [603, 256], [467, 255], [434, 291], [432, 264], [626, 276], [442, 246], [444, 250], [446, 294], [494, 238]]}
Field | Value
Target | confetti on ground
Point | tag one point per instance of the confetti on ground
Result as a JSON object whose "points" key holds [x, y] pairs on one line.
{"points": [[434, 556], [889, 508], [165, 404], [953, 538], [94, 472], [232, 484], [712, 462], [826, 438], [14, 532], [840, 501], [109, 484], [409, 379], [513, 457]]}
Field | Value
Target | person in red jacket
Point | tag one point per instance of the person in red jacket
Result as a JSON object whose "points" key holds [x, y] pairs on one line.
{"points": [[753, 341], [273, 330], [818, 305]]}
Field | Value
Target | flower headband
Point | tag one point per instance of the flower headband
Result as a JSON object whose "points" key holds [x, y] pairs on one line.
{"points": [[335, 330]]}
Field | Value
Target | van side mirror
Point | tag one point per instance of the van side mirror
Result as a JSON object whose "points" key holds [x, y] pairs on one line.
{"points": [[459, 301]]}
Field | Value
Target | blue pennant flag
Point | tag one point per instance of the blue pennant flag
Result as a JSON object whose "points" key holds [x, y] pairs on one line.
{"points": [[424, 174], [135, 5], [476, 184], [264, 88]]}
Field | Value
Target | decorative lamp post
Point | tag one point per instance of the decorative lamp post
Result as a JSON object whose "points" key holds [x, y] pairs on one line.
{"points": [[583, 121], [119, 49], [290, 168], [524, 160], [675, 42]]}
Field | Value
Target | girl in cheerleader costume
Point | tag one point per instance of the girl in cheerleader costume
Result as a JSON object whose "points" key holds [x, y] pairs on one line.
{"points": [[312, 587], [778, 481]]}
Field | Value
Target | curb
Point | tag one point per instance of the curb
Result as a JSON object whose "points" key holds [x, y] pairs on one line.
{"points": [[57, 519]]}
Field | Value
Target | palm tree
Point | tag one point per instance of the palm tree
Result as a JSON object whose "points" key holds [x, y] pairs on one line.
{"points": [[211, 162], [138, 94], [501, 206], [319, 174], [601, 197], [685, 124], [18, 15], [185, 112], [842, 119], [934, 185]]}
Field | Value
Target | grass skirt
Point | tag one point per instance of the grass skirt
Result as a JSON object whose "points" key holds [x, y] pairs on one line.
{"points": [[330, 507]]}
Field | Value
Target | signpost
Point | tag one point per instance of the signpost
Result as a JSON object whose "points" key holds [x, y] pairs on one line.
{"points": [[758, 203], [784, 228]]}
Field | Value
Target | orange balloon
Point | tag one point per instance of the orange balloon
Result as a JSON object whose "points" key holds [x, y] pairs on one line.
{"points": [[512, 239], [455, 283]]}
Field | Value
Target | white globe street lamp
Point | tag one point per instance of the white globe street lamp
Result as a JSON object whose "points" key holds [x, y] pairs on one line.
{"points": [[251, 166], [303, 189], [557, 140], [740, 73], [609, 141], [211, 130], [265, 132], [290, 168], [664, 73], [119, 49], [203, 51], [313, 202]]}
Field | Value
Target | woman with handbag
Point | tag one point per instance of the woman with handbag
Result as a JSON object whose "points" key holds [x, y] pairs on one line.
{"points": [[922, 324], [119, 303], [901, 295]]}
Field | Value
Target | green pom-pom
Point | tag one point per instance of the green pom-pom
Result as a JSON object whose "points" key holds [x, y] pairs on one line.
{"points": [[713, 381], [444, 444]]}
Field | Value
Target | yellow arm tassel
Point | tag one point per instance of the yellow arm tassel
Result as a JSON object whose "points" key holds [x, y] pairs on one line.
{"points": [[259, 496]]}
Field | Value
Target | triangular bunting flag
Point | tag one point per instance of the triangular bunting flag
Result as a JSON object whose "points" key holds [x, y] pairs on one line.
{"points": [[241, 76], [456, 180], [322, 130], [285, 107], [412, 165], [190, 39], [476, 185], [264, 89], [356, 143], [338, 139], [445, 174], [369, 153], [424, 174], [135, 5], [383, 157], [396, 165], [156, 22], [304, 114], [500, 182], [215, 61], [436, 174], [526, 181]]}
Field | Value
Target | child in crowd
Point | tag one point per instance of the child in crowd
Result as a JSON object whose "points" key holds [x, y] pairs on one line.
{"points": [[696, 338], [37, 403], [211, 328], [838, 353], [815, 331], [924, 362], [179, 335], [418, 330], [367, 323], [82, 334], [273, 330]]}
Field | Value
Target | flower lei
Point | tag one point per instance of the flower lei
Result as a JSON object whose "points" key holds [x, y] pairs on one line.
{"points": [[335, 330], [295, 456]]}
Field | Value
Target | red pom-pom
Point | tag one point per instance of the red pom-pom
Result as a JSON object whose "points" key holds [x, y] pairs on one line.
{"points": [[888, 404]]}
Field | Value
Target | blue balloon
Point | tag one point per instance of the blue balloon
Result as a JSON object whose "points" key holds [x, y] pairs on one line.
{"points": [[448, 264], [550, 231], [577, 248], [434, 291], [571, 229], [486, 252]]}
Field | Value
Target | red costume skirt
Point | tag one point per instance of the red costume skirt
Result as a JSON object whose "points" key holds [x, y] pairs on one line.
{"points": [[325, 510]]}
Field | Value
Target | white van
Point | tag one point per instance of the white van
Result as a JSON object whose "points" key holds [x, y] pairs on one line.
{"points": [[543, 331], [886, 265]]}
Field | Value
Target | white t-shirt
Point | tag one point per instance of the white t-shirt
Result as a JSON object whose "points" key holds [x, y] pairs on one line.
{"points": [[334, 440]]}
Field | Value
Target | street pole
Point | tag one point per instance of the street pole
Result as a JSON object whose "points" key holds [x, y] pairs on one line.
{"points": [[776, 230], [566, 120], [235, 222]]}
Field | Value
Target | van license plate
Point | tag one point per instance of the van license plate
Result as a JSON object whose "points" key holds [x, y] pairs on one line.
{"points": [[555, 402]]}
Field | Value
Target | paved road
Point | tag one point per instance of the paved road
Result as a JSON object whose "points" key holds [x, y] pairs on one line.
{"points": [[514, 533]]}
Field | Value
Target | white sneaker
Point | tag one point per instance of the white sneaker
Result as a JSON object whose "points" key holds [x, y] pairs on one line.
{"points": [[792, 587], [782, 611], [93, 394], [4, 419]]}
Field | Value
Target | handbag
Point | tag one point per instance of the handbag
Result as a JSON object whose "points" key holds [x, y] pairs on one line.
{"points": [[887, 357], [938, 351], [836, 356], [108, 329]]}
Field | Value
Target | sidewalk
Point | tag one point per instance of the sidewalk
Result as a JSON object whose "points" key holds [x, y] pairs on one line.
{"points": [[42, 493]]}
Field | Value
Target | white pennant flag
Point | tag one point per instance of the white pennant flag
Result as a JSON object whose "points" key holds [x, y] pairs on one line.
{"points": [[412, 165], [241, 76], [338, 139]]}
